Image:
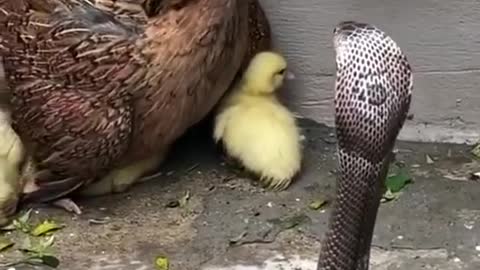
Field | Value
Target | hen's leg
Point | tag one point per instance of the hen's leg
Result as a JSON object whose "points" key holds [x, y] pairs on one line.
{"points": [[128, 176], [120, 179]]}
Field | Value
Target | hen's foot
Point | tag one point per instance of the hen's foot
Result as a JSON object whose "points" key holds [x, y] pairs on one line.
{"points": [[68, 205], [119, 180]]}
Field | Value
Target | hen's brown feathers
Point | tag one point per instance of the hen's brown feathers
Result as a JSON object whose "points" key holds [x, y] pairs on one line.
{"points": [[72, 98], [97, 85], [182, 50]]}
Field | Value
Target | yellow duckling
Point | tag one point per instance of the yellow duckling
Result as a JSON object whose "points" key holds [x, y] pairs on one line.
{"points": [[256, 129], [11, 157]]}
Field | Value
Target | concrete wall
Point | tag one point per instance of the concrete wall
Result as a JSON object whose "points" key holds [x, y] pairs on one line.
{"points": [[441, 39]]}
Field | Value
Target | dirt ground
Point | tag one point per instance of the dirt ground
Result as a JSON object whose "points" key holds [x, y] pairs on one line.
{"points": [[230, 224]]}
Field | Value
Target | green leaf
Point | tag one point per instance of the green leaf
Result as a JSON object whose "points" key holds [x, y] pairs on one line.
{"points": [[162, 263], [26, 245], [184, 200], [25, 217], [21, 223], [390, 196], [317, 204], [397, 182], [38, 247], [45, 227], [47, 242], [5, 243], [476, 151], [36, 260], [23, 227], [50, 260]]}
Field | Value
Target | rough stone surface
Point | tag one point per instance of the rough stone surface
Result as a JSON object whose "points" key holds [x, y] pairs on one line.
{"points": [[229, 224]]}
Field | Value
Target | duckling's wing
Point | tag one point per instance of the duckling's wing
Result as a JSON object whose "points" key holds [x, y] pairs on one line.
{"points": [[221, 120], [73, 70]]}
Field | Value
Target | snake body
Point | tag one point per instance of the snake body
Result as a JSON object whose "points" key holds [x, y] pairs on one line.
{"points": [[372, 98]]}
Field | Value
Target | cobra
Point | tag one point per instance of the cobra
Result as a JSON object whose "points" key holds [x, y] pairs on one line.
{"points": [[372, 98]]}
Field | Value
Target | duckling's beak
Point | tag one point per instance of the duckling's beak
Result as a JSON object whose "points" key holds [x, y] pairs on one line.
{"points": [[289, 75]]}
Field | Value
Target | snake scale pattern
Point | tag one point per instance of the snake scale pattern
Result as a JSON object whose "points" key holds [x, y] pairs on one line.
{"points": [[372, 98]]}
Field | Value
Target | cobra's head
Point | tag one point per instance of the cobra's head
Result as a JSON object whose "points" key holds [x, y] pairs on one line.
{"points": [[356, 42]]}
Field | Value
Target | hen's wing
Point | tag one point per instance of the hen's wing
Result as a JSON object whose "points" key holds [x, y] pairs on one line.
{"points": [[72, 69]]}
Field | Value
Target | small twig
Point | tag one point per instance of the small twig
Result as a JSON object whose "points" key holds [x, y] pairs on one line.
{"points": [[27, 260], [193, 167], [398, 247]]}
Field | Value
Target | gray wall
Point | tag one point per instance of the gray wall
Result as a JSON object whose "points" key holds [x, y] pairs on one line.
{"points": [[441, 39]]}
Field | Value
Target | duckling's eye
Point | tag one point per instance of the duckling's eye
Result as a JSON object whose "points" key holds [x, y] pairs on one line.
{"points": [[281, 72]]}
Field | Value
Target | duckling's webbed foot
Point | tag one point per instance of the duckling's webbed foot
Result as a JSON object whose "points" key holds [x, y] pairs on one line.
{"points": [[275, 184], [267, 182], [68, 205]]}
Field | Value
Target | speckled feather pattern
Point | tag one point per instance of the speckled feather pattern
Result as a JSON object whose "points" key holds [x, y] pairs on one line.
{"points": [[260, 34], [101, 85], [372, 98]]}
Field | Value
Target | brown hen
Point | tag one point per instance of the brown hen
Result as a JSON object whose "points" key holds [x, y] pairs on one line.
{"points": [[100, 90]]}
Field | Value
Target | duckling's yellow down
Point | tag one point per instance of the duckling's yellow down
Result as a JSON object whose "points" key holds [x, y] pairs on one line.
{"points": [[256, 129], [11, 156]]}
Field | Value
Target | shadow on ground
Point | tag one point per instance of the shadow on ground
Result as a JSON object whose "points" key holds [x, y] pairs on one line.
{"points": [[229, 223]]}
